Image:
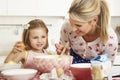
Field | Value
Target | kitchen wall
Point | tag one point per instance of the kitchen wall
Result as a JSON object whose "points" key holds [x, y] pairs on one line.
{"points": [[115, 21], [11, 28]]}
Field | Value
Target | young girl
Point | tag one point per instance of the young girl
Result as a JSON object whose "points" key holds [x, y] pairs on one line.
{"points": [[35, 39], [88, 31]]}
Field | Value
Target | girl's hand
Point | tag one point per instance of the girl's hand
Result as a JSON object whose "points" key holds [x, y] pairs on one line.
{"points": [[18, 56], [60, 47], [17, 53], [18, 47]]}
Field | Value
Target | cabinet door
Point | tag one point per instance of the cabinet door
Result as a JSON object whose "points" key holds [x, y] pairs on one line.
{"points": [[22, 7], [34, 7], [3, 7], [53, 7], [114, 7]]}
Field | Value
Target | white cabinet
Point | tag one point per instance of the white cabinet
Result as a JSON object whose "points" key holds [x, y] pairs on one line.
{"points": [[45, 7], [21, 7], [3, 7], [53, 7], [114, 7], [34, 7]]}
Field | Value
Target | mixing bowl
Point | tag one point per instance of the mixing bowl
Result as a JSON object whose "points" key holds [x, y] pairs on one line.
{"points": [[19, 74], [45, 63], [81, 71], [6, 66]]}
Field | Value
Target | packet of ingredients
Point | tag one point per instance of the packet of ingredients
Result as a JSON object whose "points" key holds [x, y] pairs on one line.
{"points": [[101, 67]]}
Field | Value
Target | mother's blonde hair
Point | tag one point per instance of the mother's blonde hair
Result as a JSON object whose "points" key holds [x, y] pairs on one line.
{"points": [[86, 10]]}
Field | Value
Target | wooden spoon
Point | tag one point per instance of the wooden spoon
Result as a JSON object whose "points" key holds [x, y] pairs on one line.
{"points": [[64, 49]]}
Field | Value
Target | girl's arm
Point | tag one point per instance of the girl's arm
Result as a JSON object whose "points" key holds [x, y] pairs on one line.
{"points": [[16, 54], [9, 57], [15, 57]]}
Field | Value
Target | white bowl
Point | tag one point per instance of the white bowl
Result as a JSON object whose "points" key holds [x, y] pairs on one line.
{"points": [[19, 74], [46, 63], [6, 66]]}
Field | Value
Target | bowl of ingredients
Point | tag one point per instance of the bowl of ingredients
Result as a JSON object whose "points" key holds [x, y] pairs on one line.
{"points": [[81, 71], [18, 74], [45, 63]]}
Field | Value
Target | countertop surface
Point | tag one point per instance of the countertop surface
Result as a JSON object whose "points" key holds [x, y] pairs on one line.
{"points": [[116, 65], [117, 59]]}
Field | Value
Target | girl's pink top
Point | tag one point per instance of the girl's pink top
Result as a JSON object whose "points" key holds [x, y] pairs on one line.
{"points": [[29, 63]]}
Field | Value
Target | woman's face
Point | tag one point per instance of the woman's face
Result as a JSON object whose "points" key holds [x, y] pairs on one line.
{"points": [[38, 38], [81, 28]]}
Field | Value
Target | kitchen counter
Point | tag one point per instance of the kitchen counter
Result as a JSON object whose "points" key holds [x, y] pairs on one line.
{"points": [[115, 70], [2, 58], [117, 59], [116, 65]]}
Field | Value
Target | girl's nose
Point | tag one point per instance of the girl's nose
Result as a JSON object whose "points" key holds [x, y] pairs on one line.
{"points": [[39, 40]]}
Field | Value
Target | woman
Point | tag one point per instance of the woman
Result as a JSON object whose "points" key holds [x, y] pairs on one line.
{"points": [[88, 31]]}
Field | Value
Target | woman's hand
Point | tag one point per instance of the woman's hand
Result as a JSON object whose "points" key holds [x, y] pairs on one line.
{"points": [[60, 47], [18, 47]]}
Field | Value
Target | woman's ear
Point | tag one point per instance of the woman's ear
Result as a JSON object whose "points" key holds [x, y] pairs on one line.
{"points": [[95, 19]]}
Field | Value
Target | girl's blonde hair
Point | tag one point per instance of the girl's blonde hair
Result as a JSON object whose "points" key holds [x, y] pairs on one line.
{"points": [[86, 10], [33, 24]]}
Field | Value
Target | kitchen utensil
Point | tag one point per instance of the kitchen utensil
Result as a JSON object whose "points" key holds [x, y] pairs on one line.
{"points": [[64, 49]]}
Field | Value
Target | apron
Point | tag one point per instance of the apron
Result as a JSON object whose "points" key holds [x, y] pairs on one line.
{"points": [[77, 58]]}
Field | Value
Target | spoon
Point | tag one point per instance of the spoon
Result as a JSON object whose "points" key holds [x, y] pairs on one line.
{"points": [[64, 49]]}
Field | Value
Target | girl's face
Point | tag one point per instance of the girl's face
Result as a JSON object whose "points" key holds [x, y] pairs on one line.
{"points": [[82, 28], [38, 39]]}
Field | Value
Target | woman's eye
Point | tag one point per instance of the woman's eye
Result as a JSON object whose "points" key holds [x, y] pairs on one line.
{"points": [[78, 25], [35, 37]]}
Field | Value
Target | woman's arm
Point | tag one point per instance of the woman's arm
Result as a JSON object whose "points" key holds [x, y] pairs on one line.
{"points": [[63, 38], [111, 46]]}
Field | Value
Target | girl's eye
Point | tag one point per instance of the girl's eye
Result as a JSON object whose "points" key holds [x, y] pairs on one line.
{"points": [[78, 25], [43, 36]]}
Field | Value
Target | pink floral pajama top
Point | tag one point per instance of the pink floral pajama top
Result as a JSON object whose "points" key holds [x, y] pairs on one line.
{"points": [[89, 50]]}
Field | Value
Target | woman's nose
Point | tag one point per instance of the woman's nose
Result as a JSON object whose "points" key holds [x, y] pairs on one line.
{"points": [[74, 28]]}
